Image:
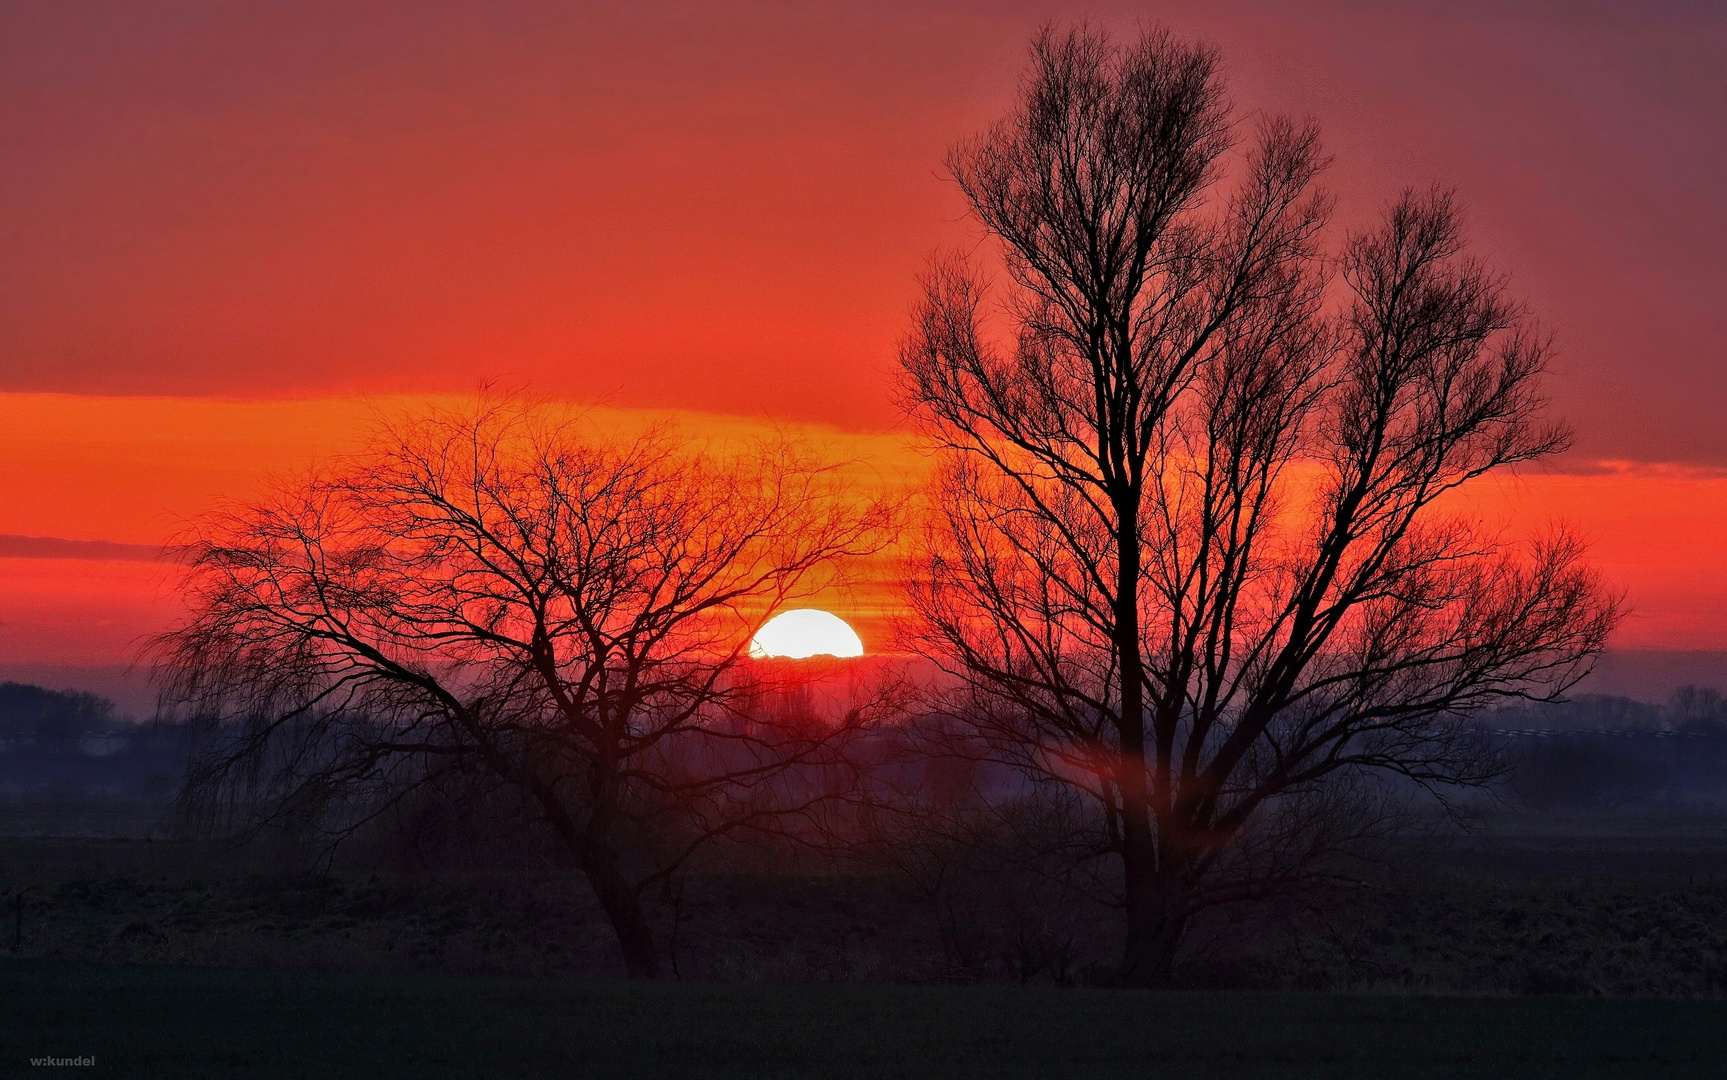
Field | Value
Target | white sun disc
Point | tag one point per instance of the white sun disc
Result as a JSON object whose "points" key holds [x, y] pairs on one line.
{"points": [[806, 632]]}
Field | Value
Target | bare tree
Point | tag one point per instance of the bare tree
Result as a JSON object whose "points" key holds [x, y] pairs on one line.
{"points": [[504, 592], [1195, 546]]}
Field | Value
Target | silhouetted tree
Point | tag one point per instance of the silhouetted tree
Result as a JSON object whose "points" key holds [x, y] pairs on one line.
{"points": [[505, 592], [1692, 706], [1191, 549]]}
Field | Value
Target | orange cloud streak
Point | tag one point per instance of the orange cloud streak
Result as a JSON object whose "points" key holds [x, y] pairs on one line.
{"points": [[87, 484], [134, 471]]}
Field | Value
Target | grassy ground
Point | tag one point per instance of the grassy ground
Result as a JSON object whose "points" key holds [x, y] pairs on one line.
{"points": [[1442, 932], [145, 1022], [1431, 932]]}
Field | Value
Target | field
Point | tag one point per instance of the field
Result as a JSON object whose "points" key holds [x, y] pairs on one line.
{"points": [[1609, 905], [145, 1022], [1565, 946]]}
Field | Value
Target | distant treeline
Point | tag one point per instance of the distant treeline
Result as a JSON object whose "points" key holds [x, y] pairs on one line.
{"points": [[1592, 752], [1690, 709], [65, 744], [1597, 752]]}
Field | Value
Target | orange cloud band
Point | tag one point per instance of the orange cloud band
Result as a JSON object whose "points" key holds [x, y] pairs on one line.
{"points": [[91, 488]]}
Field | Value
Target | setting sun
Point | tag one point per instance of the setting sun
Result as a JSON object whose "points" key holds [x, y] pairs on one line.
{"points": [[798, 635]]}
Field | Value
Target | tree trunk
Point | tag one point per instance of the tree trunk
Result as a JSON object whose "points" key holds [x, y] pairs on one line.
{"points": [[1142, 779], [623, 908], [1154, 932], [598, 859]]}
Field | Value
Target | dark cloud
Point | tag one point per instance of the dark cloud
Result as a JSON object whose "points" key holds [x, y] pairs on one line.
{"points": [[53, 547]]}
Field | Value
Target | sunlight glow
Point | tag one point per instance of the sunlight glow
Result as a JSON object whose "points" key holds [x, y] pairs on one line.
{"points": [[806, 632]]}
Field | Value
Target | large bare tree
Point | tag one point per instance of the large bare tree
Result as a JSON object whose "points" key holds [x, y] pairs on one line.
{"points": [[1198, 547], [503, 590]]}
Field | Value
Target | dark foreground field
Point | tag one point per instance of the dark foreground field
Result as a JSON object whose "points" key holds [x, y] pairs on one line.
{"points": [[1602, 905], [197, 1022]]}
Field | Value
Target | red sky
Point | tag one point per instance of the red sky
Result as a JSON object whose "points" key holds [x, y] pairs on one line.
{"points": [[221, 221]]}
